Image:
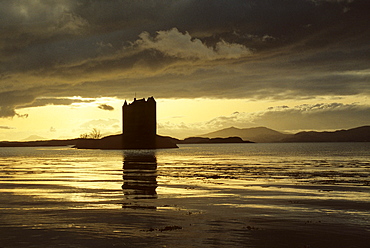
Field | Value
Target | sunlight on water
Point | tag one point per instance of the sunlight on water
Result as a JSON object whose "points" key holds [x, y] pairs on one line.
{"points": [[227, 195]]}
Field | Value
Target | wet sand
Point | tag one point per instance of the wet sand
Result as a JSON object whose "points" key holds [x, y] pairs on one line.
{"points": [[182, 221]]}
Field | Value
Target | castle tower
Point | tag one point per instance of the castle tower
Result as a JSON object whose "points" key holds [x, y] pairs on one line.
{"points": [[139, 120]]}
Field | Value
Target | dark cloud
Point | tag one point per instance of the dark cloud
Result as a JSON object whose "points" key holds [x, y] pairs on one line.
{"points": [[258, 49], [6, 127], [322, 116], [15, 97], [317, 116], [106, 107], [6, 111], [33, 97], [38, 102]]}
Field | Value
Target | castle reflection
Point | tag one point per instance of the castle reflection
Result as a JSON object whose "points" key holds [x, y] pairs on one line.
{"points": [[139, 174]]}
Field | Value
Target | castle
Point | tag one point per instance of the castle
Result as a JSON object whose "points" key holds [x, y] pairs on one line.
{"points": [[139, 120], [139, 131]]}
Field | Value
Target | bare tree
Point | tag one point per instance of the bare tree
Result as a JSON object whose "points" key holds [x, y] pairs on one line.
{"points": [[94, 134], [84, 136]]}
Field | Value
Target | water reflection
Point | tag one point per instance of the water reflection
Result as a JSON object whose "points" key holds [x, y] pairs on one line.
{"points": [[139, 174]]}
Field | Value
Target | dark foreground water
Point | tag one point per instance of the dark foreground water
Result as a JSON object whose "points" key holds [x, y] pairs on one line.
{"points": [[230, 195]]}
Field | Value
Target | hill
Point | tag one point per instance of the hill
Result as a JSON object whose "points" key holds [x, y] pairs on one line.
{"points": [[254, 134], [34, 138], [358, 134]]}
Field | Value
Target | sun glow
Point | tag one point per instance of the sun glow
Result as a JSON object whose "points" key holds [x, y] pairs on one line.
{"points": [[105, 114]]}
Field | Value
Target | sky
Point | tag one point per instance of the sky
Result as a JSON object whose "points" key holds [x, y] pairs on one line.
{"points": [[66, 66]]}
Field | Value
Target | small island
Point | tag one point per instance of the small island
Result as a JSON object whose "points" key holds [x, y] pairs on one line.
{"points": [[139, 129]]}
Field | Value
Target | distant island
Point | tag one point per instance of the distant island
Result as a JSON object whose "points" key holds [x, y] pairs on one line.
{"points": [[202, 140], [228, 135]]}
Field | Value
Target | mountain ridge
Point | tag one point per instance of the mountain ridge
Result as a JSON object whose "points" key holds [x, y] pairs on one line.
{"points": [[254, 134], [267, 135], [357, 134]]}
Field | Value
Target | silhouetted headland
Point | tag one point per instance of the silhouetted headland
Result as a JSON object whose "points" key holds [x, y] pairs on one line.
{"points": [[68, 142], [202, 140], [116, 142]]}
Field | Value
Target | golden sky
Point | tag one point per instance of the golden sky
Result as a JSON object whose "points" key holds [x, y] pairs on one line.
{"points": [[67, 66]]}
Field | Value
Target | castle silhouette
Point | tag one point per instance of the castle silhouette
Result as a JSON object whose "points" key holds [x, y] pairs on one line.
{"points": [[139, 130], [139, 120]]}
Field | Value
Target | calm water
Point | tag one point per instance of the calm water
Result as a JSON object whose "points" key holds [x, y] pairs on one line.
{"points": [[217, 195]]}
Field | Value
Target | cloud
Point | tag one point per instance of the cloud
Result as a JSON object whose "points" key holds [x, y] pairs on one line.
{"points": [[44, 101], [70, 23], [105, 126], [322, 116], [175, 44], [6, 127], [6, 111], [99, 123], [106, 107], [333, 1], [317, 117], [12, 100], [181, 49], [9, 112]]}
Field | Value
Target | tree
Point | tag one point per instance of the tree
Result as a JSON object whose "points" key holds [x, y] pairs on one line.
{"points": [[94, 134], [84, 136]]}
